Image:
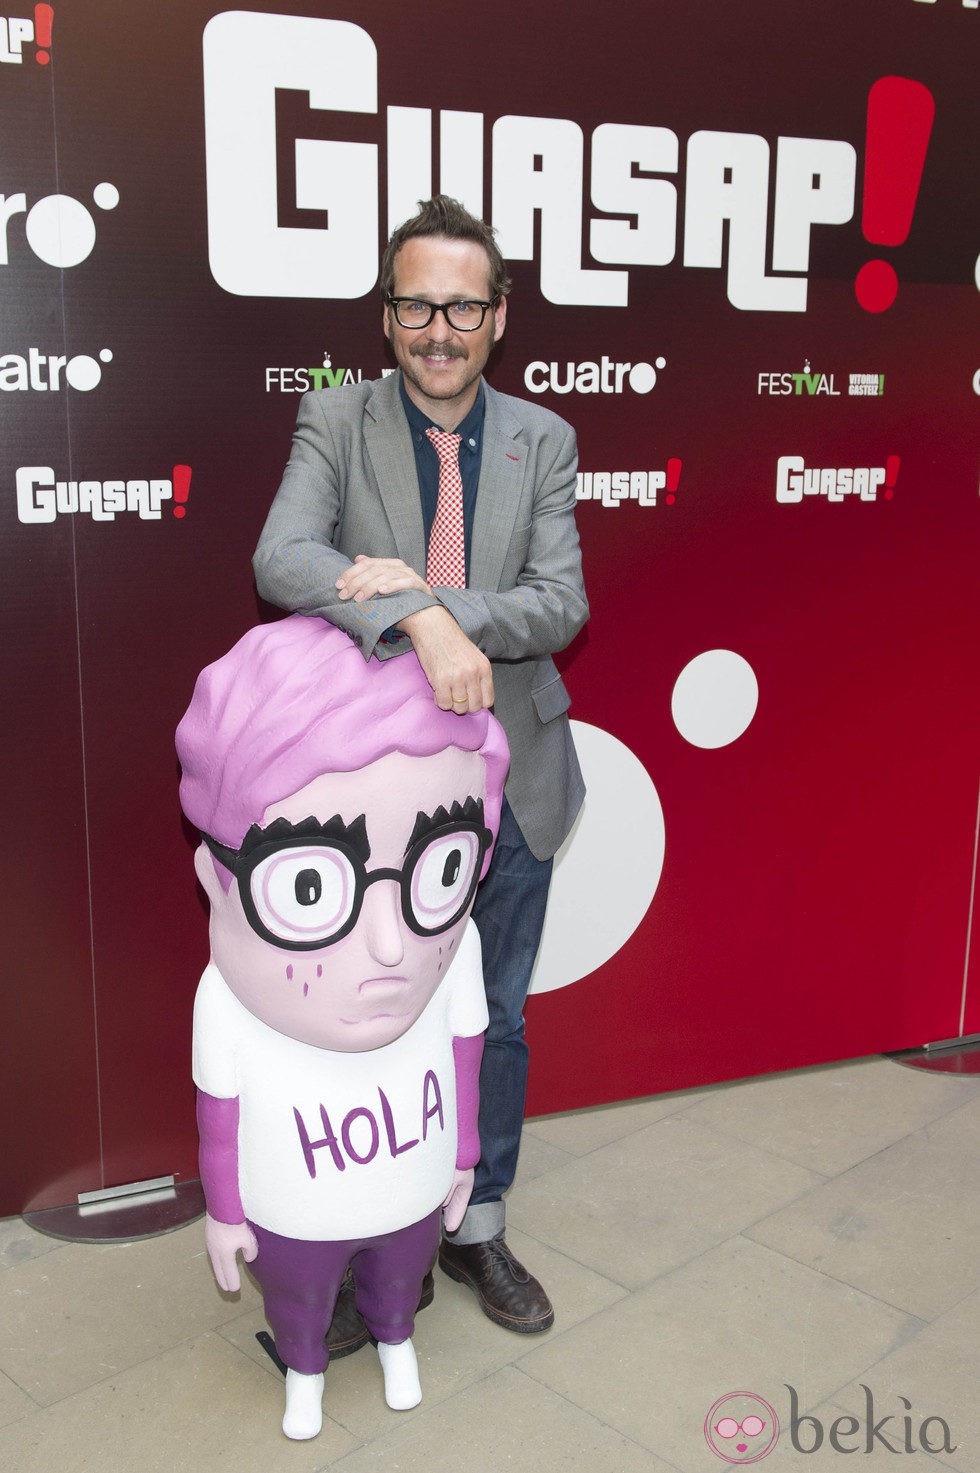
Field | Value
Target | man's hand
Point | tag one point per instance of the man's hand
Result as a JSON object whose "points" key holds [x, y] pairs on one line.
{"points": [[378, 575], [459, 673], [224, 1240]]}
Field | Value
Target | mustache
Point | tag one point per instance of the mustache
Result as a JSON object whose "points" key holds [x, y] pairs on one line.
{"points": [[447, 350]]}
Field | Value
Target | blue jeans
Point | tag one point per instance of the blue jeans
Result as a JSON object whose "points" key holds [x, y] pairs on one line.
{"points": [[509, 914]]}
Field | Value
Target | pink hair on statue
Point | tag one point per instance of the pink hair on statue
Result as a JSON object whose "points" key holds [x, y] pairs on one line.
{"points": [[296, 699]]}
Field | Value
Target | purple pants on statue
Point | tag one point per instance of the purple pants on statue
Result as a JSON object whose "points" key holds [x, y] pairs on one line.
{"points": [[300, 1281]]}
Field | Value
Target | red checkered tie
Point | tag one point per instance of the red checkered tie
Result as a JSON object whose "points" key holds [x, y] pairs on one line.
{"points": [[446, 562]]}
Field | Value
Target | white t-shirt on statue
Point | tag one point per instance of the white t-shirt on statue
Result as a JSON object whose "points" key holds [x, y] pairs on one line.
{"points": [[341, 1145]]}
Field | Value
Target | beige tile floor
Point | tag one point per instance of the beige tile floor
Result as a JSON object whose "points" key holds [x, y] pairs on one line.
{"points": [[814, 1230]]}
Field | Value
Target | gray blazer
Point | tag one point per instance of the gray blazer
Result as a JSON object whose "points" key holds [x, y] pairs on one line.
{"points": [[351, 487]]}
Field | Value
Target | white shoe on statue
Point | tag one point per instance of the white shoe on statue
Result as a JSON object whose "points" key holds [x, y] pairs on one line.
{"points": [[303, 1417], [401, 1373]]}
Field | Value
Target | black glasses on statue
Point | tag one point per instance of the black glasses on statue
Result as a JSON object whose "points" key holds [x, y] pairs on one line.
{"points": [[302, 886], [462, 316]]}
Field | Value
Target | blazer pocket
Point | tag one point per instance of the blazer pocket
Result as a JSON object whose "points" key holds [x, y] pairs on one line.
{"points": [[552, 699]]}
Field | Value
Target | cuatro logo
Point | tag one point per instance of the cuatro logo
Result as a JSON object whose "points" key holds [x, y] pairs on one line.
{"points": [[741, 1428]]}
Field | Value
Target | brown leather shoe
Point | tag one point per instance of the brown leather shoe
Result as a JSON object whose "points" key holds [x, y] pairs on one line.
{"points": [[348, 1332], [508, 1294]]}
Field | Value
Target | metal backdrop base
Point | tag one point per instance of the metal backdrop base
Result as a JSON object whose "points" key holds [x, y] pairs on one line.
{"points": [[125, 1216], [951, 1056]]}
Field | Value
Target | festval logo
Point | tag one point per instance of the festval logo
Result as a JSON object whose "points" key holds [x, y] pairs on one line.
{"points": [[301, 380], [741, 1428]]}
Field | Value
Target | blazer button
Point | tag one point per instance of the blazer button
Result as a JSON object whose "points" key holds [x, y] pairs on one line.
{"points": [[358, 640]]}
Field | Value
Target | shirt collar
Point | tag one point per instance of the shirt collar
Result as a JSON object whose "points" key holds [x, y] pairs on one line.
{"points": [[471, 428]]}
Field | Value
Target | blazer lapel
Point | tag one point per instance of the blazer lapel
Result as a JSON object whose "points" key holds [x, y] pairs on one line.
{"points": [[499, 492], [389, 446]]}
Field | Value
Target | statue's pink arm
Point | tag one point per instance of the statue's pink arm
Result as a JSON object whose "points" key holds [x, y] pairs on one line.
{"points": [[467, 1054], [226, 1233]]}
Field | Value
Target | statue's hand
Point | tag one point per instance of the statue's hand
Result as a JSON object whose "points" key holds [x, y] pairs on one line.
{"points": [[459, 1195], [224, 1241]]}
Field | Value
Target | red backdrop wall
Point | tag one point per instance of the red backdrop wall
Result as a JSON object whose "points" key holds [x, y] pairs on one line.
{"points": [[687, 192]]}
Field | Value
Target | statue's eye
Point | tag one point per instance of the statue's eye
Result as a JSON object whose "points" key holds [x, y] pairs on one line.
{"points": [[444, 878], [304, 893]]}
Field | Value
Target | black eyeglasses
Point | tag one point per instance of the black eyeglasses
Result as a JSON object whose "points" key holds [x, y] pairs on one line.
{"points": [[306, 892], [462, 316]]}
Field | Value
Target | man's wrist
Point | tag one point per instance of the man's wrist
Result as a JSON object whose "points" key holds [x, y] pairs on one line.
{"points": [[416, 622]]}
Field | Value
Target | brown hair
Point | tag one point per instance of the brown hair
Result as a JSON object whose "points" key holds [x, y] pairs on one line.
{"points": [[444, 216]]}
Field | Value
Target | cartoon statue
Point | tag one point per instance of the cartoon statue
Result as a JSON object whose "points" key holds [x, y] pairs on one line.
{"points": [[338, 1029]]}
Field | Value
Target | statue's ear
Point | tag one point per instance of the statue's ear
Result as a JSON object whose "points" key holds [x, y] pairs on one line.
{"points": [[204, 866]]}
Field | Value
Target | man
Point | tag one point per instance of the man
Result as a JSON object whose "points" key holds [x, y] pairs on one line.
{"points": [[427, 510]]}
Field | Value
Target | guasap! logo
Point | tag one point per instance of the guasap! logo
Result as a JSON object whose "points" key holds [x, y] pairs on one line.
{"points": [[796, 481], [42, 372], [17, 31], [326, 243], [604, 377], [613, 488], [41, 497]]}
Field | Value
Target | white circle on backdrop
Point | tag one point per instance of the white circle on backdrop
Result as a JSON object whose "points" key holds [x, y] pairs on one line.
{"points": [[83, 373], [607, 870], [60, 230], [642, 378], [106, 196], [714, 699]]}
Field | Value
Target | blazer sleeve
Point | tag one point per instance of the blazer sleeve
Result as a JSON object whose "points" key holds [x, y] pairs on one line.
{"points": [[547, 607], [297, 562]]}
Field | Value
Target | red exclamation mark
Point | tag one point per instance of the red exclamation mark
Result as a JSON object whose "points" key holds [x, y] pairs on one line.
{"points": [[891, 475], [900, 116], [182, 489], [673, 479], [43, 22]]}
